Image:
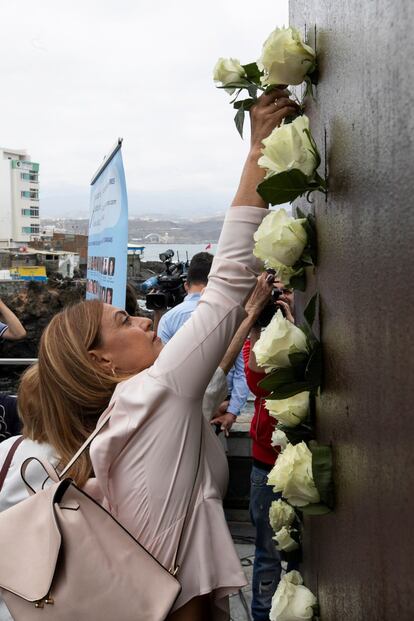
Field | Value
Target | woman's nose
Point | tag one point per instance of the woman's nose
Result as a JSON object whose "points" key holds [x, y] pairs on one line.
{"points": [[145, 323]]}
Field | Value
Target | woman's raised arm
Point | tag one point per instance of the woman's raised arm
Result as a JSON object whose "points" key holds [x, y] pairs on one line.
{"points": [[190, 358]]}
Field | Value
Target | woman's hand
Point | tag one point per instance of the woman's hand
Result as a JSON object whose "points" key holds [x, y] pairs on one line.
{"points": [[288, 311], [267, 114]]}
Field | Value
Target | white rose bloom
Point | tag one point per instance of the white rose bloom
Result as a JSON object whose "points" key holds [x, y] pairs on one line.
{"points": [[279, 438], [288, 147], [279, 339], [280, 239], [292, 476], [292, 601], [284, 541], [283, 273], [285, 58], [291, 411], [227, 71], [280, 514]]}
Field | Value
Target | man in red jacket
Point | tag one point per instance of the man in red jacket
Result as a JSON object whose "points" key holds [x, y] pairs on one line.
{"points": [[267, 567]]}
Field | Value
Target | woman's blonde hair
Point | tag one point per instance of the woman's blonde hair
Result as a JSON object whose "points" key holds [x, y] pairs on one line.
{"points": [[63, 395]]}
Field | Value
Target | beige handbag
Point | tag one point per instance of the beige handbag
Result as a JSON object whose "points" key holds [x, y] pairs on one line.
{"points": [[64, 557]]}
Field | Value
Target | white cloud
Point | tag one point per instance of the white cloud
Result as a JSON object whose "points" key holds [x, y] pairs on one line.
{"points": [[77, 75]]}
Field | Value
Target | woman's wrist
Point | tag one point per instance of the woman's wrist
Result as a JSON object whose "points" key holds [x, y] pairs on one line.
{"points": [[255, 153], [252, 175]]}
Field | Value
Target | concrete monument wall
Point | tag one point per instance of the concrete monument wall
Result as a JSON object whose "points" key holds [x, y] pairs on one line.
{"points": [[360, 559]]}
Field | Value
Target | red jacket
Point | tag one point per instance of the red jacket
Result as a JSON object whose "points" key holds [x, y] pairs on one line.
{"points": [[262, 425]]}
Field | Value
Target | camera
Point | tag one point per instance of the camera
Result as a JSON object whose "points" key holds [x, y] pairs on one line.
{"points": [[167, 289], [271, 307]]}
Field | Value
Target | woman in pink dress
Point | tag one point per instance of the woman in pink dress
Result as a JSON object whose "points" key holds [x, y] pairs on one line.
{"points": [[94, 356]]}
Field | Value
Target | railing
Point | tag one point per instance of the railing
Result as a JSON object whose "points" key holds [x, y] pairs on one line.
{"points": [[17, 361]]}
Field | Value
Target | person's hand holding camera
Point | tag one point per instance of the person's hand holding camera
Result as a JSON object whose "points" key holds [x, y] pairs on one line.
{"points": [[287, 310], [260, 295]]}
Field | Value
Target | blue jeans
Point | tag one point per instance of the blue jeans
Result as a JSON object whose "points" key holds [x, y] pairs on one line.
{"points": [[266, 567]]}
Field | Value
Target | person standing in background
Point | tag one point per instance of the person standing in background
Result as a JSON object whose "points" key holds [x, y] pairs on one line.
{"points": [[267, 563], [173, 319], [11, 329]]}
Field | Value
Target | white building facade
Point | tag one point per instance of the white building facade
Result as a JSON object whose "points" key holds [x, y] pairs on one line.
{"points": [[19, 198]]}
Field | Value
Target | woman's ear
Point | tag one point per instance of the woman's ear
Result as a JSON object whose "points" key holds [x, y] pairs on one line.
{"points": [[102, 360]]}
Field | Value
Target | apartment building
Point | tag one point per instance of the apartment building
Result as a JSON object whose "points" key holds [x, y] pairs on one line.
{"points": [[19, 198]]}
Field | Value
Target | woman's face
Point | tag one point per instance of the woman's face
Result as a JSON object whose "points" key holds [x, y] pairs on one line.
{"points": [[128, 344]]}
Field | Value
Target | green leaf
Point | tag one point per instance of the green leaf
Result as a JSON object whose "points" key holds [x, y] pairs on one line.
{"points": [[300, 433], [299, 360], [314, 148], [239, 120], [300, 214], [309, 88], [310, 310], [252, 89], [239, 84], [322, 184], [289, 390], [283, 187], [278, 377], [246, 103], [313, 372], [316, 508], [298, 281], [236, 97], [294, 556], [253, 72], [322, 472]]}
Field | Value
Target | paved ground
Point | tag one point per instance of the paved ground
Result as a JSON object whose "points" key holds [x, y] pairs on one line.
{"points": [[243, 537]]}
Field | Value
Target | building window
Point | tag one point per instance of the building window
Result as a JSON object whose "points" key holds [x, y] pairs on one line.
{"points": [[29, 176], [31, 194], [33, 212], [33, 229]]}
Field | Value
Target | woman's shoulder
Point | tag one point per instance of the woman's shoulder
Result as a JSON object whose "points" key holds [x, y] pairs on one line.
{"points": [[27, 448]]}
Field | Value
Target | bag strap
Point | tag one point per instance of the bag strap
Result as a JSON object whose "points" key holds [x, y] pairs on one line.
{"points": [[87, 442], [8, 460]]}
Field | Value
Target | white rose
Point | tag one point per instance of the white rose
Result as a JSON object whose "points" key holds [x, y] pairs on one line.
{"points": [[292, 475], [279, 438], [279, 339], [288, 147], [280, 238], [280, 514], [228, 71], [285, 58], [284, 541], [283, 273], [291, 411], [292, 601]]}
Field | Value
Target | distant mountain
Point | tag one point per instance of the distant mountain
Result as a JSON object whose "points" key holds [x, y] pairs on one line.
{"points": [[73, 202], [196, 230]]}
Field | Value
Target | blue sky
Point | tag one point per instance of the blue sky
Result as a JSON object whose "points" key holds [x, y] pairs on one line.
{"points": [[77, 75]]}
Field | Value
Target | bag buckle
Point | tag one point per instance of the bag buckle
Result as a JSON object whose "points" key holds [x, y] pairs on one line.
{"points": [[174, 572]]}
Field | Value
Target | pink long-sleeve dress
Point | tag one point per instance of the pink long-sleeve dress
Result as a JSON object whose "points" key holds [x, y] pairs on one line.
{"points": [[145, 459]]}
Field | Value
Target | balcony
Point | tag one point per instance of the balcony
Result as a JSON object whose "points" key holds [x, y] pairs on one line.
{"points": [[32, 195]]}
